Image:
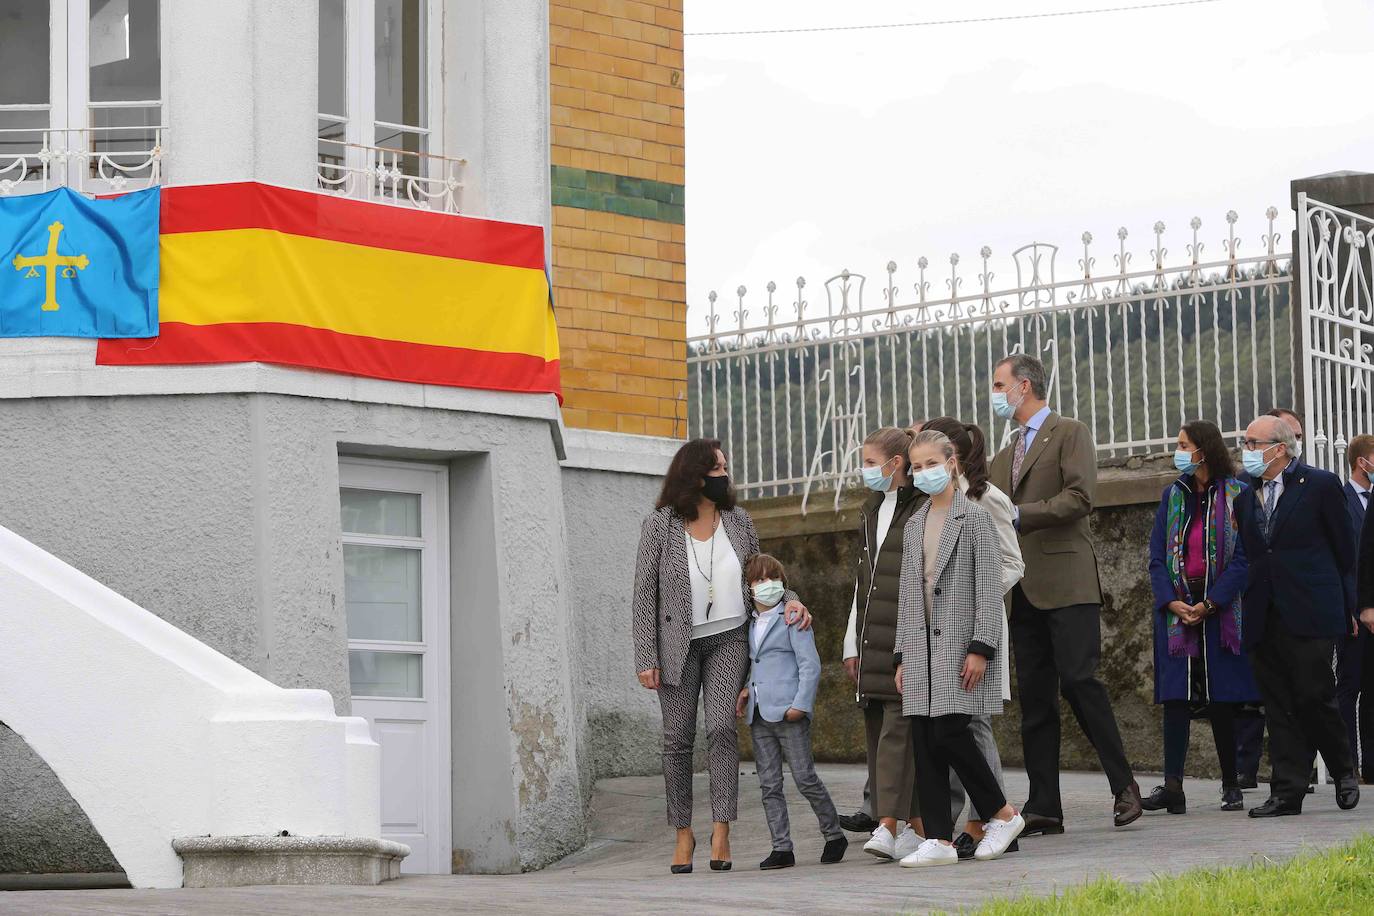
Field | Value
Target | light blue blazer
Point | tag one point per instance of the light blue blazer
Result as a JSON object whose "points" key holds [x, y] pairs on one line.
{"points": [[785, 673]]}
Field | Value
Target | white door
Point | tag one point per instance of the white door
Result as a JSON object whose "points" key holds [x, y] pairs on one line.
{"points": [[394, 520]]}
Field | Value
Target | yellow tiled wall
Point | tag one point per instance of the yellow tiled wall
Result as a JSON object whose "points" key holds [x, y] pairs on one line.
{"points": [[619, 252]]}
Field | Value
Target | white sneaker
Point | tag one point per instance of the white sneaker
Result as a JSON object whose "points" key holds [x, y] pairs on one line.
{"points": [[998, 836], [908, 841], [931, 852], [883, 844]]}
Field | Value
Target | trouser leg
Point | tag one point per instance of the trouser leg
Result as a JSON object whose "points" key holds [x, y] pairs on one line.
{"points": [[1314, 701], [1249, 743], [867, 806], [1290, 757], [1038, 684], [1077, 635], [958, 745], [1349, 675], [679, 707], [1365, 745], [725, 664], [768, 757], [981, 729], [1177, 725], [1223, 718], [932, 779], [796, 747], [895, 775]]}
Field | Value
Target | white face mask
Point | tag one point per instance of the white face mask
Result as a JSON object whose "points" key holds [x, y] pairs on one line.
{"points": [[767, 592]]}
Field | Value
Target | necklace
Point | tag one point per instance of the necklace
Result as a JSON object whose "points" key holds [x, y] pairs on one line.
{"points": [[709, 573]]}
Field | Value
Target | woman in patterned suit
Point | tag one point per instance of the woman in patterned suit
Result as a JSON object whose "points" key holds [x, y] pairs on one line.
{"points": [[691, 633], [949, 626]]}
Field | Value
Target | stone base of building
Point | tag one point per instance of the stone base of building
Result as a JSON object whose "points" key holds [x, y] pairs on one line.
{"points": [[239, 861]]}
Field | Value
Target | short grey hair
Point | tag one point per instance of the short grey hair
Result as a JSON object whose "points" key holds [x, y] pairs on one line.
{"points": [[1028, 369], [1282, 434]]}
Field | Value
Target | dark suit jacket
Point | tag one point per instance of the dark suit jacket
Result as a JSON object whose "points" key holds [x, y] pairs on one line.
{"points": [[1356, 507], [1055, 497], [1302, 571]]}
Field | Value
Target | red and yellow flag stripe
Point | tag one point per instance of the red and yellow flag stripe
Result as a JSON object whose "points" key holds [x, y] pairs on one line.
{"points": [[255, 273]]}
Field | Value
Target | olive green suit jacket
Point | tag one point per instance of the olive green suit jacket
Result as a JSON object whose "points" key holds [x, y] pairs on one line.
{"points": [[1055, 498]]}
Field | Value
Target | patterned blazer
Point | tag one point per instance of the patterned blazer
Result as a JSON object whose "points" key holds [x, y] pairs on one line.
{"points": [[967, 598], [663, 589]]}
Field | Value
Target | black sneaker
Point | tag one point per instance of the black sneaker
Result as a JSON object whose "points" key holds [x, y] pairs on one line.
{"points": [[834, 850], [778, 859], [966, 846], [1232, 799], [858, 822]]}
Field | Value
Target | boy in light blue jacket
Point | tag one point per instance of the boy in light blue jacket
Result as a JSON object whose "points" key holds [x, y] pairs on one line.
{"points": [[777, 703]]}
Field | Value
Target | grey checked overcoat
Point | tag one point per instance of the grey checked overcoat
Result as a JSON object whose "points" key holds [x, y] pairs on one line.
{"points": [[662, 614], [967, 598]]}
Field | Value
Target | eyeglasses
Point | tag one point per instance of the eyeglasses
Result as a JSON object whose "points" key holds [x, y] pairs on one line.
{"points": [[1255, 443]]}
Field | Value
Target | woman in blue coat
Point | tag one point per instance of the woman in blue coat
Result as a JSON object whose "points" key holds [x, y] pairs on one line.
{"points": [[1197, 573]]}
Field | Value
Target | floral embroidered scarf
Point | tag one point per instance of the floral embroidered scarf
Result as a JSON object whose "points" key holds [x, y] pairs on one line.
{"points": [[1222, 534]]}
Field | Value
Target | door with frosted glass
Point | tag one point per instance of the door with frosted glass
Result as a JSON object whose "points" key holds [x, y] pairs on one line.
{"points": [[395, 570]]}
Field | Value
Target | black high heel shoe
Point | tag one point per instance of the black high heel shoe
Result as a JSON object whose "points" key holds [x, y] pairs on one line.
{"points": [[686, 869], [719, 864]]}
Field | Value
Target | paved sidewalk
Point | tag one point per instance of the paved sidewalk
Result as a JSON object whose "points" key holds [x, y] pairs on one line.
{"points": [[625, 868]]}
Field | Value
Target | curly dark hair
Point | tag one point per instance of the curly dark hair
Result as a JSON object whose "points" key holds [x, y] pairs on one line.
{"points": [[971, 448], [1216, 456], [682, 484]]}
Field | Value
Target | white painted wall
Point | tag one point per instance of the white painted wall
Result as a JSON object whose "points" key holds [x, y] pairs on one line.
{"points": [[158, 736]]}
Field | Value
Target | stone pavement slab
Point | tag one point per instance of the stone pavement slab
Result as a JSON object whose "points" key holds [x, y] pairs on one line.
{"points": [[625, 867]]}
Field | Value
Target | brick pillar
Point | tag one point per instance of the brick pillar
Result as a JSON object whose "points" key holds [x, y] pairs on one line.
{"points": [[619, 240]]}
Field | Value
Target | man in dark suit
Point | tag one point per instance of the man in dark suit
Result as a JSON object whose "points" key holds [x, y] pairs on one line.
{"points": [[1050, 472], [1355, 656], [1299, 600]]}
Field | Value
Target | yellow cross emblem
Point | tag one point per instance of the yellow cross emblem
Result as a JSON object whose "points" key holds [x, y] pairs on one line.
{"points": [[51, 261]]}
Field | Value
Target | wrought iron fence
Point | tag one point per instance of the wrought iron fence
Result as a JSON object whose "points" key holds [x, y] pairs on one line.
{"points": [[1337, 278], [93, 160], [1133, 353]]}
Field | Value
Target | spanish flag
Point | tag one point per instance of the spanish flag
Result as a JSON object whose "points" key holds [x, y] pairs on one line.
{"points": [[257, 273]]}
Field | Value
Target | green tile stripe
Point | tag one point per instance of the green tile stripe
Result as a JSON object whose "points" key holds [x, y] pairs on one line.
{"points": [[641, 197]]}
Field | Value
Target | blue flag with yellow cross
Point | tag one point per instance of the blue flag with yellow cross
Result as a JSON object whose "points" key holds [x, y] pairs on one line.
{"points": [[75, 267]]}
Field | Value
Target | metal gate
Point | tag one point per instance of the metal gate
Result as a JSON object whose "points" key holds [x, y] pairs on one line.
{"points": [[1337, 263]]}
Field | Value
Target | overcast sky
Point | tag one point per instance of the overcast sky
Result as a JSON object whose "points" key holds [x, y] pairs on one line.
{"points": [[808, 153]]}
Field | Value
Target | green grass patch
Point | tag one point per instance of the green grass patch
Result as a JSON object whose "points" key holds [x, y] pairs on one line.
{"points": [[1339, 880]]}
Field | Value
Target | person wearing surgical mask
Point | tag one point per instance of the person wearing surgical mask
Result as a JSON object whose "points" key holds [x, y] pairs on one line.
{"points": [[893, 816], [1300, 599], [777, 702]]}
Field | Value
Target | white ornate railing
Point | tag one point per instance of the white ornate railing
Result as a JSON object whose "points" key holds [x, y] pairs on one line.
{"points": [[88, 159], [1337, 281], [386, 175], [1132, 353]]}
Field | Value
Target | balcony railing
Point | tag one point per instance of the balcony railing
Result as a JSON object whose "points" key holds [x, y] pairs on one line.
{"points": [[386, 175], [94, 160]]}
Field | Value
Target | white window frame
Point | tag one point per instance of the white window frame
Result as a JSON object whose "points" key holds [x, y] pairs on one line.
{"points": [[360, 122]]}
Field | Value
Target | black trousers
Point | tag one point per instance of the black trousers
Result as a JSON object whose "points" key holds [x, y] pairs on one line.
{"points": [[1056, 652], [1355, 695], [942, 743], [1249, 741], [1299, 690], [1178, 721]]}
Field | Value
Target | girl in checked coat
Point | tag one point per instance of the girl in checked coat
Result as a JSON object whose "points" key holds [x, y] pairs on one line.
{"points": [[949, 627]]}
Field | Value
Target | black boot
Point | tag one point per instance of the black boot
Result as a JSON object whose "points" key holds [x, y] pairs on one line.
{"points": [[778, 859], [1166, 797], [834, 850], [1232, 799]]}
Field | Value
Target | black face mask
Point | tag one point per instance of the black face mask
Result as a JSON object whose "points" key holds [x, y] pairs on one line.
{"points": [[716, 488]]}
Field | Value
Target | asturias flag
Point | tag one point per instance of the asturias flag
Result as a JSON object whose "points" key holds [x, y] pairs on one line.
{"points": [[73, 267]]}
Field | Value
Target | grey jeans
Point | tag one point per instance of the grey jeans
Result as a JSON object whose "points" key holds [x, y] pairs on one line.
{"points": [[774, 741], [981, 727]]}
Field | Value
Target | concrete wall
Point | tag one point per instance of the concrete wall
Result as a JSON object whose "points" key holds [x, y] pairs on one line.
{"points": [[610, 483], [219, 513], [819, 551]]}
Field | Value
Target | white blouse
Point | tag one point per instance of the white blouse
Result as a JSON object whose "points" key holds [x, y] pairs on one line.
{"points": [[722, 591]]}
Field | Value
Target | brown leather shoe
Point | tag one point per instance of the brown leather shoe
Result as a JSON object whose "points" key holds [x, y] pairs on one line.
{"points": [[1041, 825], [1127, 808]]}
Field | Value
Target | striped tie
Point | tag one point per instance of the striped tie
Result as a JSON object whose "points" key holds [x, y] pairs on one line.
{"points": [[1271, 489]]}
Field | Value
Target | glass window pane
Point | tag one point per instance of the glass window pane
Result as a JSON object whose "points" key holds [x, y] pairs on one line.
{"points": [[386, 674], [382, 593], [400, 62], [126, 65], [380, 512], [24, 52], [333, 58]]}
